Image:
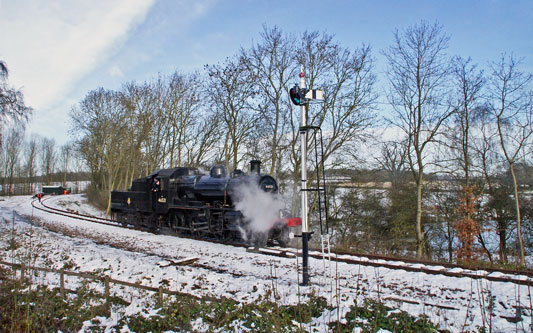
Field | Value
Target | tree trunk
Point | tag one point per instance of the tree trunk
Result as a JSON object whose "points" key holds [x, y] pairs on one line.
{"points": [[518, 217], [484, 245], [419, 230], [502, 235], [450, 241]]}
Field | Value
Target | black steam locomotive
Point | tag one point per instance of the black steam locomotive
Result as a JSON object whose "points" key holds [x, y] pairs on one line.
{"points": [[185, 201]]}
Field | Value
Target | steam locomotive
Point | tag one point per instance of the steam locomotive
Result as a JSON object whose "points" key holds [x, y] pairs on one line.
{"points": [[185, 201]]}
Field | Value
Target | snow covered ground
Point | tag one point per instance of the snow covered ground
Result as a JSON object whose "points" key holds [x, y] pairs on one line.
{"points": [[456, 304]]}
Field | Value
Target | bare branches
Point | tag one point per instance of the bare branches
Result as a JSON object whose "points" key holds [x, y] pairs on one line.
{"points": [[123, 135], [230, 89], [9, 158], [12, 106], [512, 108], [511, 105], [3, 71], [271, 65], [468, 83], [418, 70]]}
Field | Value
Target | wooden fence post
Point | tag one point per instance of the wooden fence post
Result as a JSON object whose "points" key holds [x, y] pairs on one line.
{"points": [[160, 296], [107, 294], [106, 285], [62, 283]]}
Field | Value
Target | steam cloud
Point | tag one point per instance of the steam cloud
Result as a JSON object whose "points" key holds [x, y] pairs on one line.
{"points": [[260, 208]]}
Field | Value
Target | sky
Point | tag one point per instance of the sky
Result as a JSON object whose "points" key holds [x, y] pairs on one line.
{"points": [[58, 50]]}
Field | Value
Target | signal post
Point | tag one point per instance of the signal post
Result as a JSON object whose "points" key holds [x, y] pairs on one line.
{"points": [[304, 208], [299, 96]]}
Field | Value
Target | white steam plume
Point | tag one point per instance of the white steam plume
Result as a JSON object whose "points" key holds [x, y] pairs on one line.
{"points": [[260, 208]]}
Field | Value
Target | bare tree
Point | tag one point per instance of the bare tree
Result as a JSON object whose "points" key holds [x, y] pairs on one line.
{"points": [[393, 159], [30, 162], [100, 123], [168, 123], [65, 156], [512, 108], [79, 167], [272, 66], [418, 70], [47, 158], [468, 82], [11, 165], [139, 118], [149, 123], [123, 135], [489, 159], [12, 106], [152, 103], [183, 105], [347, 80], [230, 88], [203, 138]]}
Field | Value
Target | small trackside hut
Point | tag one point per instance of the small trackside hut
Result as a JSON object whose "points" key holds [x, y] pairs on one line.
{"points": [[55, 190]]}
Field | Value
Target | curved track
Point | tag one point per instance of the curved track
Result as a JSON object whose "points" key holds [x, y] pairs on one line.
{"points": [[71, 214], [412, 265]]}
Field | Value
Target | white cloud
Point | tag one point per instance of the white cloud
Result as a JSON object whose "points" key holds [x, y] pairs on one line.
{"points": [[57, 49], [115, 71], [49, 45]]}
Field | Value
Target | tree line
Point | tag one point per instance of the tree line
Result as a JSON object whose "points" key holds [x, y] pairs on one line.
{"points": [[456, 120], [25, 163], [229, 113], [28, 163], [468, 124]]}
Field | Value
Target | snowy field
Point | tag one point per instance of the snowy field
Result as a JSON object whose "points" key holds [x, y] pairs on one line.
{"points": [[456, 304]]}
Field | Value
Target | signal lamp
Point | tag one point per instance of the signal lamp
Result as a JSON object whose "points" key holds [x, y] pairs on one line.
{"points": [[297, 95]]}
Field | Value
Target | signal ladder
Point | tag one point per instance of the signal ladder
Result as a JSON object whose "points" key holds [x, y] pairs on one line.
{"points": [[317, 143]]}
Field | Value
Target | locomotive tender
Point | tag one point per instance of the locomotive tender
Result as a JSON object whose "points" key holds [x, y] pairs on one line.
{"points": [[183, 200]]}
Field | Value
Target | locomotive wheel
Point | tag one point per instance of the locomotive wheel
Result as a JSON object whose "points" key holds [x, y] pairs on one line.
{"points": [[283, 237], [138, 221], [199, 233], [229, 236], [176, 221], [122, 218], [259, 239], [131, 219], [154, 225]]}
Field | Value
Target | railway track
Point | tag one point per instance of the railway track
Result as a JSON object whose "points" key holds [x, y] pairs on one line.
{"points": [[519, 277], [71, 214]]}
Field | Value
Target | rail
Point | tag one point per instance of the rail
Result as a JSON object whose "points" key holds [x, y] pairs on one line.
{"points": [[520, 277]]}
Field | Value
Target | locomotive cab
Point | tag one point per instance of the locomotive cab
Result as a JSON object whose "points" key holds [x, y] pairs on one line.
{"points": [[165, 193]]}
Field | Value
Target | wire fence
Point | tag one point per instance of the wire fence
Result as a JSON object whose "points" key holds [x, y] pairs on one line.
{"points": [[105, 280]]}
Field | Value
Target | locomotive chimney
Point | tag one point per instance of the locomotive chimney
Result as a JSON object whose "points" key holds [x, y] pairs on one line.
{"points": [[255, 167]]}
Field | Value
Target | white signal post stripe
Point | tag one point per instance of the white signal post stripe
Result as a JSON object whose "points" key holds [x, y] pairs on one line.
{"points": [[304, 208]]}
